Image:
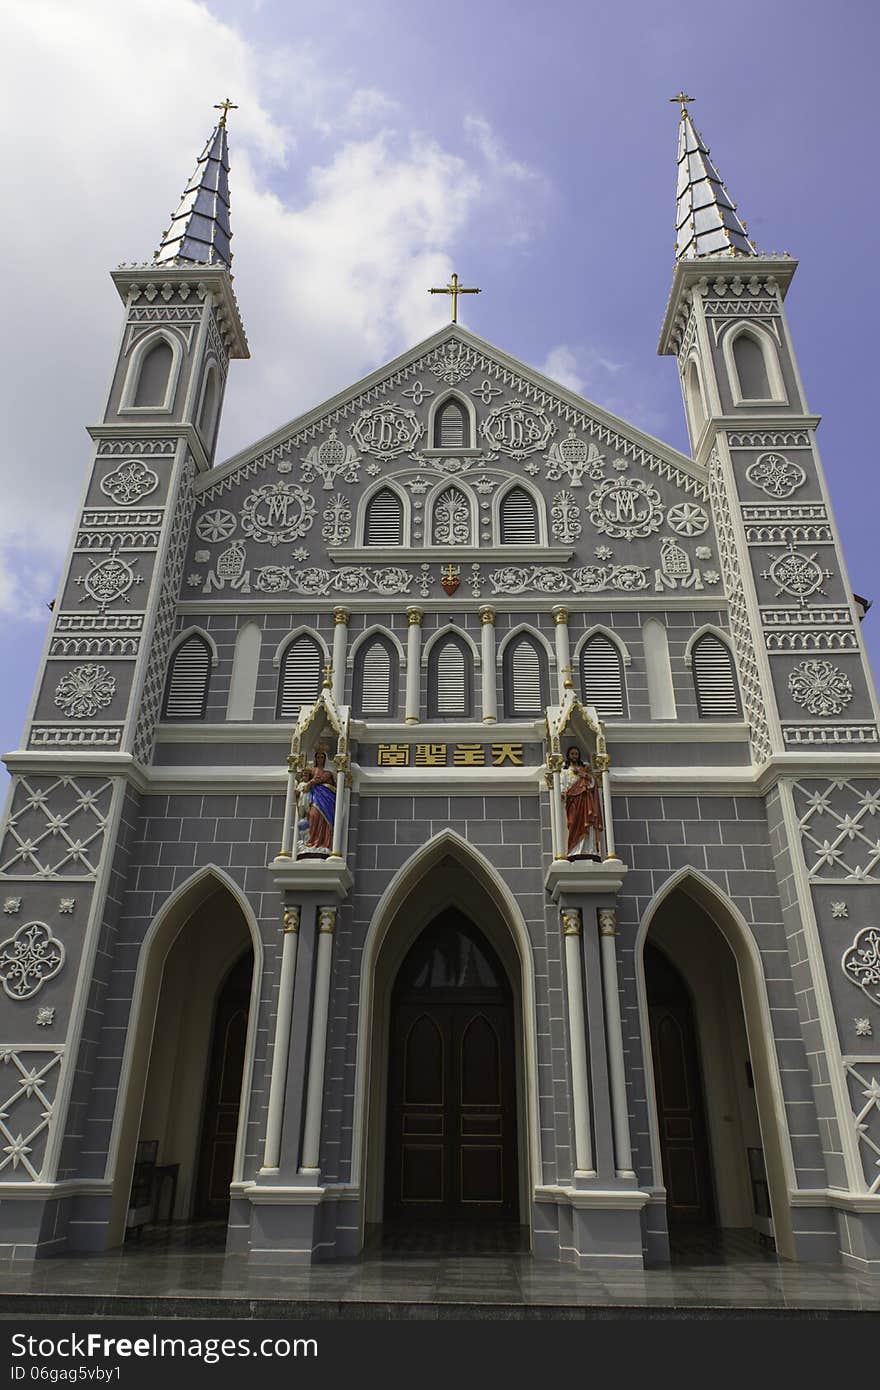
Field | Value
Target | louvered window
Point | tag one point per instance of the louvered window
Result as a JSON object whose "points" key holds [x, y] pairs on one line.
{"points": [[714, 679], [300, 679], [519, 518], [384, 520], [525, 679], [450, 680], [375, 684], [602, 680], [186, 690], [451, 426]]}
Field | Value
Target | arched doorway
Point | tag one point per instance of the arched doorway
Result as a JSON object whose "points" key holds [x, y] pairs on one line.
{"points": [[721, 1151], [451, 1139], [189, 1055]]}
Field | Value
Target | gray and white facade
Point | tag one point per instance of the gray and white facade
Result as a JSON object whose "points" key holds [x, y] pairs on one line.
{"points": [[686, 621]]}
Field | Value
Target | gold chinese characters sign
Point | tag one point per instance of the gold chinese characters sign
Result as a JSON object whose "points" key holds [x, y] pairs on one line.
{"points": [[449, 754]]}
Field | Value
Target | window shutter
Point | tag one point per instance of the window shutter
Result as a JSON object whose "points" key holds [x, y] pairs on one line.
{"points": [[450, 426], [384, 521], [186, 691], [451, 681], [525, 680], [300, 677], [602, 678], [519, 518], [375, 680], [714, 679]]}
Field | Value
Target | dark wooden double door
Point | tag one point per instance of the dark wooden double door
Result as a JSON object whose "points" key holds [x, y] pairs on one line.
{"points": [[451, 1140], [223, 1091]]}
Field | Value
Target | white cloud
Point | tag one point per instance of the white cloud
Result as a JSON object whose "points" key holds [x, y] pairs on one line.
{"points": [[560, 365], [109, 108]]}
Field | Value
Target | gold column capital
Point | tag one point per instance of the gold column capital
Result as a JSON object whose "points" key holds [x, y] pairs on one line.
{"points": [[414, 617], [326, 920], [560, 616], [290, 919], [487, 615], [341, 616], [607, 921], [571, 922]]}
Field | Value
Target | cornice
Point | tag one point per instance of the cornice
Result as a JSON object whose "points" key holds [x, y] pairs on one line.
{"points": [[208, 279], [690, 272], [178, 430]]}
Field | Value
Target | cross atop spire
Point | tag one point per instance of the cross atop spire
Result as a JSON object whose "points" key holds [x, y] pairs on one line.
{"points": [[199, 233], [706, 220]]}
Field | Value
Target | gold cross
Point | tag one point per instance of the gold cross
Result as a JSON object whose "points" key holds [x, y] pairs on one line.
{"points": [[328, 672], [682, 97], [225, 106], [455, 289]]}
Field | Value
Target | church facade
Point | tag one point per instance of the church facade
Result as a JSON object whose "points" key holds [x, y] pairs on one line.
{"points": [[458, 807]]}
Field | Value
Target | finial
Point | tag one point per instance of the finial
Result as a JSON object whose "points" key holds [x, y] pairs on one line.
{"points": [[454, 289], [682, 97], [225, 107], [328, 673]]}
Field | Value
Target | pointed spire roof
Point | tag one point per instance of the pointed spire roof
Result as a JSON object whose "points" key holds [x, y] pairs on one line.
{"points": [[706, 221], [199, 233]]}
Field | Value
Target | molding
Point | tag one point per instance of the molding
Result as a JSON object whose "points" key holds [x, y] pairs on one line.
{"points": [[168, 428], [748, 328], [336, 554], [215, 280], [502, 603], [472, 448], [835, 1197], [440, 634], [193, 631], [465, 781], [600, 630], [711, 630], [688, 273], [375, 630], [303, 631], [163, 333], [525, 630], [260, 1195], [574, 877], [619, 1198], [68, 1187], [311, 876], [345, 554]]}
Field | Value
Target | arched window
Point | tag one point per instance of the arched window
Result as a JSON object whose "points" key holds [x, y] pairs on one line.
{"points": [[450, 680], [715, 681], [210, 398], [602, 678], [518, 517], [751, 368], [299, 682], [451, 426], [696, 406], [186, 689], [152, 383], [375, 679], [525, 678], [383, 524], [451, 523]]}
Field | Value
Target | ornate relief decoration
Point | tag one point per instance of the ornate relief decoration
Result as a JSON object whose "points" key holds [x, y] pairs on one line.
{"points": [[418, 393], [565, 515], [486, 392], [56, 827], [866, 1122], [796, 574], [839, 910], [11, 906], [840, 830], [861, 963], [230, 569], [517, 429], [45, 1017], [129, 483], [278, 512], [676, 570], [28, 959], [26, 1109], [329, 461], [822, 689], [348, 579], [216, 525], [576, 458], [108, 581], [453, 363], [337, 520], [776, 475], [687, 519], [84, 690], [552, 579], [451, 519], [625, 508], [66, 905], [387, 431]]}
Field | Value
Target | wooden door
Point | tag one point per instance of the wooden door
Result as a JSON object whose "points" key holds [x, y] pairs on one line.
{"points": [[223, 1091], [451, 1151]]}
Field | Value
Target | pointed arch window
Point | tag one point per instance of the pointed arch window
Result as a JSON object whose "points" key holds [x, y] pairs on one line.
{"points": [[450, 680], [518, 518], [154, 376], [715, 682], [451, 425], [299, 680], [696, 407], [526, 684], [451, 522], [751, 368], [189, 672], [210, 401], [383, 523], [375, 679], [602, 678]]}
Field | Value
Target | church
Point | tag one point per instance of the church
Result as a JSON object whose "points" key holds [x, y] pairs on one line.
{"points": [[458, 810]]}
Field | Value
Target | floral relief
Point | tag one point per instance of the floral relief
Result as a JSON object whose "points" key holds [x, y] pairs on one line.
{"points": [[84, 691]]}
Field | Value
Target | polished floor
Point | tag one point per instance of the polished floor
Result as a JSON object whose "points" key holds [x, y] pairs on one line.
{"points": [[183, 1272]]}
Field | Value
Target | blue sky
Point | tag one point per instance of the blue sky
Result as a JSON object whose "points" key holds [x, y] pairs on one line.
{"points": [[379, 146]]}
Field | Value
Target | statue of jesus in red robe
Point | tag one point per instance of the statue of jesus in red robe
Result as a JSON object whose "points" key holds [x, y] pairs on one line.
{"points": [[583, 807]]}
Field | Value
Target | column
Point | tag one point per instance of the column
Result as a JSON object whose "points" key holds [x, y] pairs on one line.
{"points": [[571, 931], [558, 822], [603, 763], [413, 665], [614, 1038], [341, 619], [487, 657], [289, 811], [563, 654], [281, 1049], [311, 1149]]}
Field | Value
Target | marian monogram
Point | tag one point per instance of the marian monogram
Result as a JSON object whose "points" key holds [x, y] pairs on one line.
{"points": [[278, 512], [626, 507]]}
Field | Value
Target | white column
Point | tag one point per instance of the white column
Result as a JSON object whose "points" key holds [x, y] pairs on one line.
{"points": [[339, 820], [283, 1018], [341, 618], [603, 763], [571, 931], [311, 1149], [614, 1037], [289, 812], [413, 665], [558, 823], [487, 657], [563, 653]]}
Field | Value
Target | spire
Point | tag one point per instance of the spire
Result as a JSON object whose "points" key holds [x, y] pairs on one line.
{"points": [[199, 233], [706, 221]]}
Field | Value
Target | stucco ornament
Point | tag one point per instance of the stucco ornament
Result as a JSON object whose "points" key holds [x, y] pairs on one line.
{"points": [[861, 963], [796, 574], [454, 363], [776, 475], [129, 482], [687, 519], [626, 508], [387, 430], [337, 521], [553, 579], [517, 429], [822, 689], [452, 519], [574, 457], [110, 579], [566, 518], [331, 460], [28, 959], [216, 525], [85, 690], [278, 512]]}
